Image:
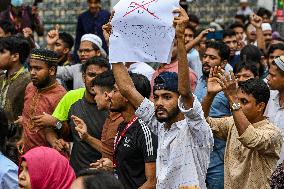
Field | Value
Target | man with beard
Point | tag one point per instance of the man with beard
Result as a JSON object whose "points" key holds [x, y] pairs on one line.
{"points": [[176, 117], [216, 54], [42, 95], [79, 103]]}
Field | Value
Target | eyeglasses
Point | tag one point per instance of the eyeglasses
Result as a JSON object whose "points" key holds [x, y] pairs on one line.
{"points": [[81, 51]]}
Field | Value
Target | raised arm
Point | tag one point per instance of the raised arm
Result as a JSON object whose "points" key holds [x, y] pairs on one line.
{"points": [[183, 79], [256, 21]]}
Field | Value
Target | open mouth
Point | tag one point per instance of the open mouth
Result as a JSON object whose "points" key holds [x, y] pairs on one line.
{"points": [[21, 186]]}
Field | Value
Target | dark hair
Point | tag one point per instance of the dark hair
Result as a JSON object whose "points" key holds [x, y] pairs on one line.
{"points": [[3, 129], [98, 60], [193, 18], [16, 45], [250, 52], [223, 49], [67, 39], [263, 11], [274, 47], [99, 179], [243, 18], [189, 26], [257, 88], [228, 33], [7, 27], [249, 65], [96, 1], [236, 25], [141, 83], [105, 80]]}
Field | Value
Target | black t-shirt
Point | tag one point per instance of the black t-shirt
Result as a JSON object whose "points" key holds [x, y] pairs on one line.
{"points": [[137, 147], [82, 153]]}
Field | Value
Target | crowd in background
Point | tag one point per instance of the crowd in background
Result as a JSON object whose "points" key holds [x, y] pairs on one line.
{"points": [[211, 118]]}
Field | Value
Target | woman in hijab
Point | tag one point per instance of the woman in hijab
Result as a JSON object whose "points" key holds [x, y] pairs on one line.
{"points": [[45, 168]]}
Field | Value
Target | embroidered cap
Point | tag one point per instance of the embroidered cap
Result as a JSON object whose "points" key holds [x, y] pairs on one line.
{"points": [[280, 62], [47, 56]]}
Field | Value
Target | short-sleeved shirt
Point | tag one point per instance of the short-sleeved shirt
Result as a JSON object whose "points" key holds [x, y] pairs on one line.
{"points": [[137, 147], [62, 109], [82, 153], [8, 173]]}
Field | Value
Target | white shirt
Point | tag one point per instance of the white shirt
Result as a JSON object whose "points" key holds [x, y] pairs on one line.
{"points": [[275, 114], [183, 150], [142, 68]]}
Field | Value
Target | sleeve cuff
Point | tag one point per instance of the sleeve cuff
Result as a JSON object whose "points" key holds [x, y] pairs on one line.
{"points": [[247, 135], [191, 112], [145, 107]]}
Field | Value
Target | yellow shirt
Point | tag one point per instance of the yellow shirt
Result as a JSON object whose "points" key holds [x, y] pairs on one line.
{"points": [[251, 157]]}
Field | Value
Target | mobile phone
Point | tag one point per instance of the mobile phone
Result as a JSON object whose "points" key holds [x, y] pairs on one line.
{"points": [[217, 35]]}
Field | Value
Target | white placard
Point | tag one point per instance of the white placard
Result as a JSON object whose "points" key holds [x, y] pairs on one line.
{"points": [[142, 31]]}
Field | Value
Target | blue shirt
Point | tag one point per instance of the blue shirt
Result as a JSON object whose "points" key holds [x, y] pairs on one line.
{"points": [[8, 173], [89, 23], [194, 62]]}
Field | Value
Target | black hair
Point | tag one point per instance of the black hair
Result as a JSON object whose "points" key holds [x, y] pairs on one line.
{"points": [[15, 45], [274, 47], [193, 18], [229, 33], [7, 27], [236, 25], [96, 1], [243, 18], [257, 88], [248, 65], [67, 39], [223, 49], [3, 129], [189, 26], [263, 11], [141, 83], [99, 179], [98, 60], [105, 80], [251, 52]]}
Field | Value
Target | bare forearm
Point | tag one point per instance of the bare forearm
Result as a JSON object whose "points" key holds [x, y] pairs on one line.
{"points": [[260, 38], [51, 136], [94, 143], [192, 43], [125, 85], [149, 184], [206, 104], [183, 74]]}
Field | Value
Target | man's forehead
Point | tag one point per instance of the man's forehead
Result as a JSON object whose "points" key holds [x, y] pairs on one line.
{"points": [[212, 52]]}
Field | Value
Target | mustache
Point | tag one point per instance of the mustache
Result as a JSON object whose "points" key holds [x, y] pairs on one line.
{"points": [[160, 109]]}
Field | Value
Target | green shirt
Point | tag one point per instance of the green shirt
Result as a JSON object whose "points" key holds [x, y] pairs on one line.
{"points": [[62, 109]]}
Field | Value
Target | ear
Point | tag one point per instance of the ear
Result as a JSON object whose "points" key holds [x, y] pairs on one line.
{"points": [[15, 57], [84, 77], [66, 51], [98, 53], [223, 64], [52, 71], [261, 107]]}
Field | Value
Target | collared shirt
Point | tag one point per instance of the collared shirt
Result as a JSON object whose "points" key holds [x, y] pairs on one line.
{"points": [[275, 114], [251, 157], [37, 102], [12, 91], [194, 62], [183, 150], [108, 134], [8, 173], [173, 67]]}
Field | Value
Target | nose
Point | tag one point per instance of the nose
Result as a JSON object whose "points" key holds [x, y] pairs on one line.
{"points": [[32, 72], [109, 95]]}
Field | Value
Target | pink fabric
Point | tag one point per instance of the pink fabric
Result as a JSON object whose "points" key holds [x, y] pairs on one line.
{"points": [[173, 67], [48, 169]]}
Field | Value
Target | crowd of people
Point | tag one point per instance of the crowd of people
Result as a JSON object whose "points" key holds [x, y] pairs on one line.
{"points": [[211, 118]]}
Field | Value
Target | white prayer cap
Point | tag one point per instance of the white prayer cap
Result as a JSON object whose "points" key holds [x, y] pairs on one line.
{"points": [[265, 26], [243, 1], [96, 40], [280, 62]]}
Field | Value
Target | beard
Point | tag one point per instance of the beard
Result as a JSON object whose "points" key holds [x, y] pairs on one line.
{"points": [[42, 84], [205, 73], [172, 113]]}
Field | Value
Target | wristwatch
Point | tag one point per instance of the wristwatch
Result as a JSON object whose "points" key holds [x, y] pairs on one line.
{"points": [[236, 106], [58, 125]]}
